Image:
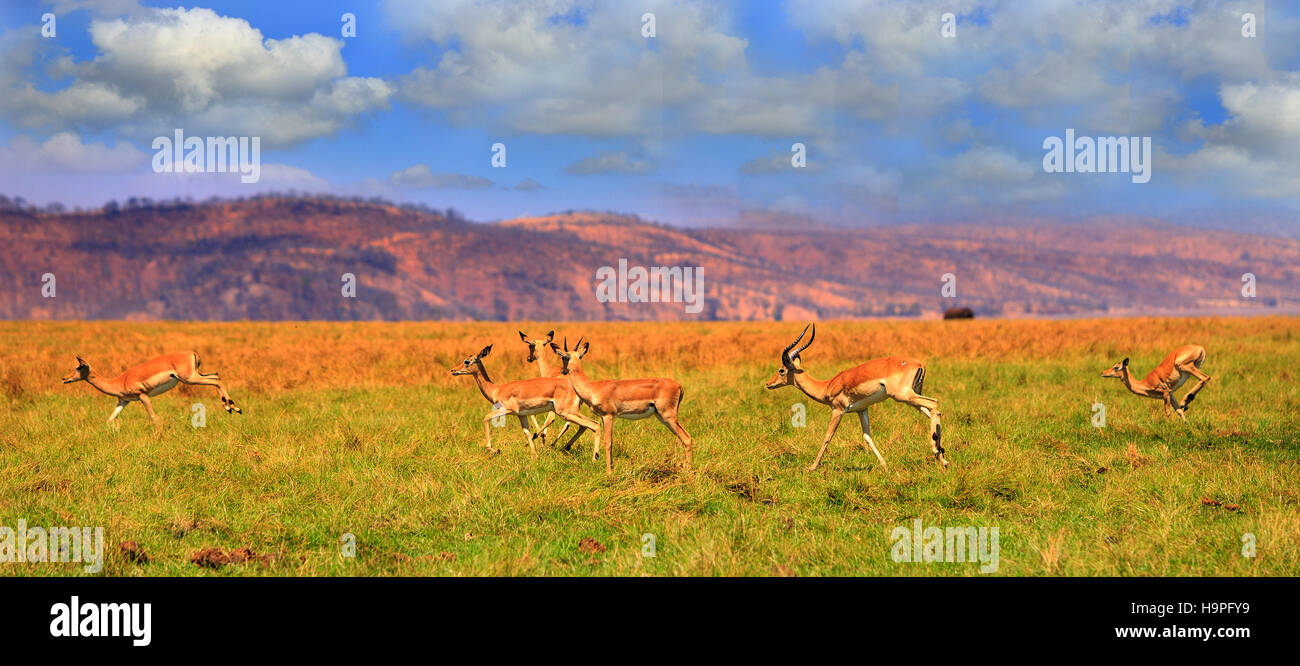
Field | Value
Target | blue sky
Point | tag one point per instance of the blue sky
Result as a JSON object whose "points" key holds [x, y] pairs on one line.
{"points": [[693, 126]]}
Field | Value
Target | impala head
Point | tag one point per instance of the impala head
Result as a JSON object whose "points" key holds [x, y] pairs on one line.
{"points": [[571, 358], [790, 363], [536, 345], [1116, 370], [471, 364], [80, 374]]}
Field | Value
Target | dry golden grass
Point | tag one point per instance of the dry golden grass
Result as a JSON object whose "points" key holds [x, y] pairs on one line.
{"points": [[359, 428]]}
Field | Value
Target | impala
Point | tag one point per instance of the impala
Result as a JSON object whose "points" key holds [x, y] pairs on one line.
{"points": [[524, 398], [856, 389], [623, 398], [537, 353], [151, 378], [1167, 377]]}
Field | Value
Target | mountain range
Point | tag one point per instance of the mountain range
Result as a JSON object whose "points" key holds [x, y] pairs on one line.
{"points": [[277, 257]]}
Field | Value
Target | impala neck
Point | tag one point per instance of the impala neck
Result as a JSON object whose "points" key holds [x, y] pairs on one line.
{"points": [[545, 365], [1139, 387], [579, 381], [111, 387], [485, 385], [813, 388]]}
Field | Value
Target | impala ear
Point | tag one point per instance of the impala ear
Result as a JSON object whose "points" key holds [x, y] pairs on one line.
{"points": [[81, 362], [550, 335], [1124, 362], [522, 336], [556, 348], [583, 351], [486, 350]]}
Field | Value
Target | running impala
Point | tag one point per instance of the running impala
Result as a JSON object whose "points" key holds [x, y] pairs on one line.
{"points": [[1167, 377], [625, 399], [856, 389], [524, 398], [149, 379]]}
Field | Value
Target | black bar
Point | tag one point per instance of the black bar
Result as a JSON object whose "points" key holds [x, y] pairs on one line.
{"points": [[550, 614]]}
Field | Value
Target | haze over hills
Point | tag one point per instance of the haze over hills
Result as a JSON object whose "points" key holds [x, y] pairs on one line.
{"points": [[278, 258]]}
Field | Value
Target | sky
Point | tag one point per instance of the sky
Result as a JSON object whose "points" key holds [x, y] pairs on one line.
{"points": [[904, 111]]}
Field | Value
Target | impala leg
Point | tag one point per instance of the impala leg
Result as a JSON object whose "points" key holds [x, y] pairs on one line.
{"points": [[198, 379], [929, 407], [567, 426], [532, 421], [487, 427], [1168, 397], [148, 407], [866, 434], [675, 427], [1201, 377], [539, 432], [584, 424], [523, 425], [830, 433], [608, 432], [116, 410]]}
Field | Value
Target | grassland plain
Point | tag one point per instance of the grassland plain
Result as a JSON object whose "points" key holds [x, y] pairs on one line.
{"points": [[359, 428]]}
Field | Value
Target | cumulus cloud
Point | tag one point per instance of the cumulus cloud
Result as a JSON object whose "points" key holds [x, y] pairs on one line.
{"points": [[422, 176], [65, 151], [1256, 149], [540, 73], [987, 175], [619, 162], [207, 73]]}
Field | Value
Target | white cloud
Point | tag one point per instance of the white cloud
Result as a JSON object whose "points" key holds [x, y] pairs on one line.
{"points": [[66, 152], [422, 176], [619, 162], [1257, 147], [206, 73]]}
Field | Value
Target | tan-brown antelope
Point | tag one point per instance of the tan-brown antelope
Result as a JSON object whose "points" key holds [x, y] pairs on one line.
{"points": [[1167, 377], [524, 397], [539, 353], [624, 399], [856, 389], [151, 378]]}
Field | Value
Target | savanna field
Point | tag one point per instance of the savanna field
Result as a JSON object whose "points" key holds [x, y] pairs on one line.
{"points": [[358, 428]]}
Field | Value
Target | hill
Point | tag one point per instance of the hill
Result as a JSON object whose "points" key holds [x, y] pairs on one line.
{"points": [[283, 258]]}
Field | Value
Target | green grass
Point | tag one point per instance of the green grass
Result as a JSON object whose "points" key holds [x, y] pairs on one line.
{"points": [[402, 469]]}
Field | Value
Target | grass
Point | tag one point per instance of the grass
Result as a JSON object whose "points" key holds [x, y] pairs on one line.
{"points": [[358, 428]]}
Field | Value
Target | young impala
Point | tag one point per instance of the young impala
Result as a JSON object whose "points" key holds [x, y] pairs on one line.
{"points": [[537, 352], [625, 399], [524, 398], [856, 389], [1167, 377], [151, 378]]}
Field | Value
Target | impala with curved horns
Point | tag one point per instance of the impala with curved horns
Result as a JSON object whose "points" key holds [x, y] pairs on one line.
{"points": [[856, 389], [151, 378]]}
